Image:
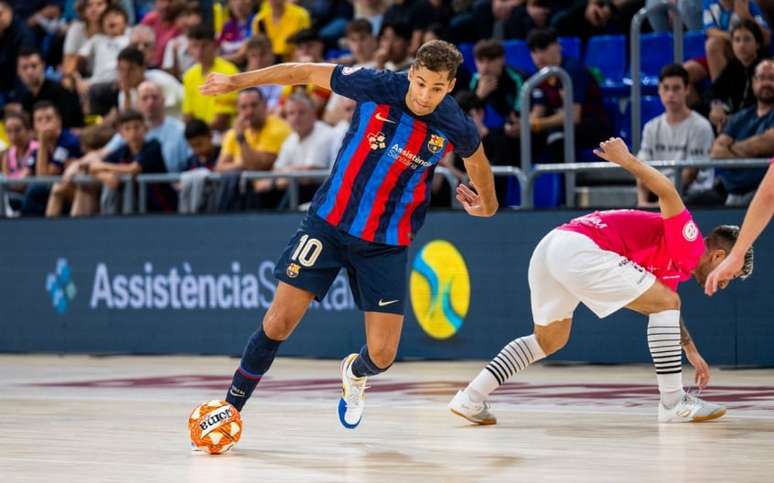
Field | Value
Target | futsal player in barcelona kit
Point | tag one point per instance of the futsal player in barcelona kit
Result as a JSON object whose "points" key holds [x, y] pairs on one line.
{"points": [[610, 260], [367, 212]]}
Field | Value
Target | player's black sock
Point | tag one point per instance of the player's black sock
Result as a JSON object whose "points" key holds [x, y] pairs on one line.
{"points": [[256, 360], [364, 366]]}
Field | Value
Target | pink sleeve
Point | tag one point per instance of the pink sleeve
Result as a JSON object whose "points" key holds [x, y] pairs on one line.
{"points": [[684, 240]]}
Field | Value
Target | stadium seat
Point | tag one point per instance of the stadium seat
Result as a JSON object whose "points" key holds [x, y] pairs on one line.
{"points": [[517, 55], [656, 52], [466, 49], [571, 47], [549, 191], [332, 54], [607, 53], [650, 107], [693, 45]]}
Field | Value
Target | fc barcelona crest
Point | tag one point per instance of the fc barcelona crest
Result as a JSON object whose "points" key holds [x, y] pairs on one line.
{"points": [[435, 143]]}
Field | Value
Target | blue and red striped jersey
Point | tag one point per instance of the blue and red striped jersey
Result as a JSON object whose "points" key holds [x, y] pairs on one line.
{"points": [[379, 187]]}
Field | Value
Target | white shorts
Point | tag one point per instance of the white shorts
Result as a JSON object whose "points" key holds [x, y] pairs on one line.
{"points": [[567, 268]]}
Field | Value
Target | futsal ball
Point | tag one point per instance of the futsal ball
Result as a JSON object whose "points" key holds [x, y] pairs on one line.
{"points": [[215, 427]]}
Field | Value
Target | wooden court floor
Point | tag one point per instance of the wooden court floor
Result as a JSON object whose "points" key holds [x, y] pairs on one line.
{"points": [[123, 419]]}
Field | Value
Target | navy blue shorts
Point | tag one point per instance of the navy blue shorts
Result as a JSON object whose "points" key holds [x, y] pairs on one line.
{"points": [[316, 253]]}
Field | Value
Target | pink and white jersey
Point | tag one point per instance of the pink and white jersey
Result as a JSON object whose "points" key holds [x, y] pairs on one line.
{"points": [[668, 248]]}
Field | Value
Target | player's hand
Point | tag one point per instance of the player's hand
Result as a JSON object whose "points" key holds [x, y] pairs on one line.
{"points": [[217, 83], [614, 150], [723, 273], [702, 369], [471, 201]]}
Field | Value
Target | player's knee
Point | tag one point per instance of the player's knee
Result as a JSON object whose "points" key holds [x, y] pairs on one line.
{"points": [[551, 340], [671, 301], [278, 324], [382, 356]]}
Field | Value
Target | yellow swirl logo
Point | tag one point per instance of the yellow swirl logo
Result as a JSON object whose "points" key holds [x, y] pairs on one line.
{"points": [[440, 289]]}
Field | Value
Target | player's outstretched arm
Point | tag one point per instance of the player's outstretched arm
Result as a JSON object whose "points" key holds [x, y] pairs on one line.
{"points": [[758, 216], [288, 74], [482, 202], [616, 151]]}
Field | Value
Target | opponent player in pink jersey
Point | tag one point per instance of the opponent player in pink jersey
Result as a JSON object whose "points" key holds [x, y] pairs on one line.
{"points": [[610, 260]]}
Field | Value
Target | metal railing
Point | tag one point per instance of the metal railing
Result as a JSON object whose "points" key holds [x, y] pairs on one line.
{"points": [[569, 124], [540, 169], [636, 68]]}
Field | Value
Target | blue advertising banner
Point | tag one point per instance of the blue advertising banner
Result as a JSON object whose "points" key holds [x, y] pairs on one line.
{"points": [[200, 285]]}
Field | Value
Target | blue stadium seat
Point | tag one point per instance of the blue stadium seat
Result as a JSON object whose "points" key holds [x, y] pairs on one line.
{"points": [[607, 53], [466, 49], [549, 191], [656, 51], [571, 47], [517, 55], [650, 107], [332, 54], [693, 45]]}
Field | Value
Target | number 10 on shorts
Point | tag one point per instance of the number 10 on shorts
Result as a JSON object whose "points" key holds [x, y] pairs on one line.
{"points": [[307, 251]]}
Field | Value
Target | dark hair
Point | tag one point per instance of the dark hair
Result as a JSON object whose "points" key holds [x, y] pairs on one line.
{"points": [[28, 51], [439, 56], [258, 42], [360, 26], [113, 8], [251, 90], [489, 49], [755, 29], [40, 105], [197, 128], [468, 101], [400, 29], [201, 32], [304, 36], [540, 39], [129, 115], [673, 70], [723, 237], [132, 55], [22, 117]]}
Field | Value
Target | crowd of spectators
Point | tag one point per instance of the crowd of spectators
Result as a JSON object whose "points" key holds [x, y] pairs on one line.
{"points": [[109, 88]]}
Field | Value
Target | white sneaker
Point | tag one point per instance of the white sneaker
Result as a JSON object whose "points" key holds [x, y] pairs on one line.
{"points": [[690, 409], [352, 402], [474, 412]]}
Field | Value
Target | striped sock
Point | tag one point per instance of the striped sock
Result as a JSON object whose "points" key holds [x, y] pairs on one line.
{"points": [[664, 344], [513, 358]]}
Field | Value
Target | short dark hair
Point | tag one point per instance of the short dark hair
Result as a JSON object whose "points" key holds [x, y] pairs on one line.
{"points": [[674, 70], [439, 56], [304, 36], [489, 49], [113, 8], [27, 51], [201, 32], [258, 42], [400, 29], [253, 90], [128, 116], [133, 55], [723, 237], [540, 39], [40, 105], [22, 117], [360, 26], [197, 128]]}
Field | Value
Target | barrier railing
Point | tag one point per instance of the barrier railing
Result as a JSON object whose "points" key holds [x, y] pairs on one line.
{"points": [[569, 126], [540, 169], [634, 54]]}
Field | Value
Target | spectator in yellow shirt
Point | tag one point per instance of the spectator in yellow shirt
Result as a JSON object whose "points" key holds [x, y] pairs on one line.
{"points": [[279, 19], [216, 111], [252, 145]]}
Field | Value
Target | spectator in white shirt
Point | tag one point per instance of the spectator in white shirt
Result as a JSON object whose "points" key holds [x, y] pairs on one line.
{"points": [[307, 148]]}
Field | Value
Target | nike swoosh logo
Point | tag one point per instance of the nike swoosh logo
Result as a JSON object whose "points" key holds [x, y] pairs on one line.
{"points": [[384, 303], [384, 119]]}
